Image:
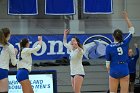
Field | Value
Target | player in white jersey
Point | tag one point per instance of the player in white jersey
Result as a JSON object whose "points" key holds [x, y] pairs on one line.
{"points": [[7, 53], [76, 67], [24, 64]]}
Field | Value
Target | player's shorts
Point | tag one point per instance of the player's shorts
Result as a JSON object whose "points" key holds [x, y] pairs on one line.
{"points": [[3, 73], [118, 75], [132, 77], [22, 74], [78, 75], [119, 70]]}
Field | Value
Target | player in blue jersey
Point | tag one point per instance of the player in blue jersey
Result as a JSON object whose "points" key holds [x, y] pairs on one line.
{"points": [[116, 59], [132, 60]]}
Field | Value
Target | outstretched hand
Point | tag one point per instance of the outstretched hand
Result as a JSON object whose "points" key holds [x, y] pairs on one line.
{"points": [[136, 45], [66, 31], [40, 40], [125, 14]]}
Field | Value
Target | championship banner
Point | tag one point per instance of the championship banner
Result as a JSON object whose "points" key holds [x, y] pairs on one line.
{"points": [[59, 7], [52, 48], [98, 6], [23, 7]]}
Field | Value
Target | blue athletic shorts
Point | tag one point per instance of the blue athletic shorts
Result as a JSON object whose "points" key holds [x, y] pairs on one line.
{"points": [[119, 70], [22, 74], [3, 73], [120, 73]]}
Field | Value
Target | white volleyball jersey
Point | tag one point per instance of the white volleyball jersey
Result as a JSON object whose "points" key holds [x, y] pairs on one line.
{"points": [[7, 53], [26, 61], [76, 56]]}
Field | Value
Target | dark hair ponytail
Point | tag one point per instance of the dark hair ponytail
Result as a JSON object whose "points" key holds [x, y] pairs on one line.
{"points": [[3, 40], [78, 42], [118, 35], [6, 32], [23, 44]]}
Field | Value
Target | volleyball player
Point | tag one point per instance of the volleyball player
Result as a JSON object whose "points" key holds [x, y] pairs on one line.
{"points": [[116, 56], [7, 52], [76, 67], [132, 60], [25, 64]]}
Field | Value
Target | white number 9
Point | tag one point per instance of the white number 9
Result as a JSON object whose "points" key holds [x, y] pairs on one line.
{"points": [[120, 51]]}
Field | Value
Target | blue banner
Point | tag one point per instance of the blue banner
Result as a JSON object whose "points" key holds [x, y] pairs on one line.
{"points": [[97, 6], [22, 7], [59, 7], [52, 48]]}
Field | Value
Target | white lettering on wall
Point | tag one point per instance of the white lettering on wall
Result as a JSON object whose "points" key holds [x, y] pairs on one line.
{"points": [[52, 47]]}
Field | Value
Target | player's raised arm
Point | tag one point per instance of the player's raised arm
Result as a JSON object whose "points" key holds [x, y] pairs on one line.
{"points": [[66, 32], [129, 23], [137, 51], [37, 48], [136, 45], [40, 40]]}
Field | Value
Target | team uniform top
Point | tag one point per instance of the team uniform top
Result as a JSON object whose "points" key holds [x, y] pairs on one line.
{"points": [[76, 56], [117, 55], [132, 62], [7, 53], [26, 58]]}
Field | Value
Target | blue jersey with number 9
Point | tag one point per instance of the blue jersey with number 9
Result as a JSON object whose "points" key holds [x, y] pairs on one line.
{"points": [[117, 54]]}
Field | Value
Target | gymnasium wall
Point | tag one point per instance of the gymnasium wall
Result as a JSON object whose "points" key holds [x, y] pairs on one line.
{"points": [[42, 24]]}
